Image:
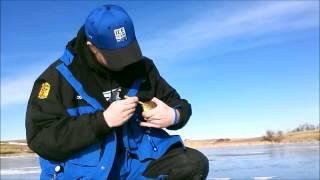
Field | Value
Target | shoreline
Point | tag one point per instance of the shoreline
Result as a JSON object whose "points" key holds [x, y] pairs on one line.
{"points": [[17, 155], [196, 146], [19, 147], [244, 144], [288, 138]]}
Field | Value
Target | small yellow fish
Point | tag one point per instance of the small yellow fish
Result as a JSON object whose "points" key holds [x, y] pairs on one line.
{"points": [[146, 106]]}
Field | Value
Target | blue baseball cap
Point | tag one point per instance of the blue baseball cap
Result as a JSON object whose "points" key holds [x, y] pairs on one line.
{"points": [[110, 29]]}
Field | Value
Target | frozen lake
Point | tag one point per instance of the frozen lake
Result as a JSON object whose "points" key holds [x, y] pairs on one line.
{"points": [[294, 161]]}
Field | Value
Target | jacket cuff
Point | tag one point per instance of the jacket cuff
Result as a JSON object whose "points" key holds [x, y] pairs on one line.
{"points": [[181, 121], [101, 126]]}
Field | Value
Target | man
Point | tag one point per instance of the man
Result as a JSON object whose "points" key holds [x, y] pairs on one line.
{"points": [[84, 117]]}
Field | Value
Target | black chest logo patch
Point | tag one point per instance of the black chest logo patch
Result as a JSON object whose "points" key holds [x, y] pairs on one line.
{"points": [[112, 95]]}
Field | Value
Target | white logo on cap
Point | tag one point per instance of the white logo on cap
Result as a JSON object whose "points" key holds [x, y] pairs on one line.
{"points": [[120, 34]]}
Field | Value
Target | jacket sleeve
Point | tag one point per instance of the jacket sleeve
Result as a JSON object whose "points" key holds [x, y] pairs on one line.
{"points": [[53, 134], [170, 96]]}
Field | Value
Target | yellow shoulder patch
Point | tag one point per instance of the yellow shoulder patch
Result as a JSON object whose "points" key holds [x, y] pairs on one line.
{"points": [[44, 91]]}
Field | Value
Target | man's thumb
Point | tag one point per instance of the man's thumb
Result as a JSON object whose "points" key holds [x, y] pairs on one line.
{"points": [[156, 100]]}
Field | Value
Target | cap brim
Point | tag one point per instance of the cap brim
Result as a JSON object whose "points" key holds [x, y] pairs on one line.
{"points": [[122, 57]]}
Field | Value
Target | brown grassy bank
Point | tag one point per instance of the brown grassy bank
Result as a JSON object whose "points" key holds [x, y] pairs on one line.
{"points": [[292, 137], [14, 147], [20, 146]]}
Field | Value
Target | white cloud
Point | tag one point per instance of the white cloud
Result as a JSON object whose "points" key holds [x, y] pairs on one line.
{"points": [[257, 20], [16, 86], [17, 90]]}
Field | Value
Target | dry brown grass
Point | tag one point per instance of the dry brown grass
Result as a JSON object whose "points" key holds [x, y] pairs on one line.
{"points": [[296, 137], [302, 136], [14, 149]]}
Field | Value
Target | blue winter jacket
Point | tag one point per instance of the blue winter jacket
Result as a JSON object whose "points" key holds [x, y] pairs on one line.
{"points": [[65, 125]]}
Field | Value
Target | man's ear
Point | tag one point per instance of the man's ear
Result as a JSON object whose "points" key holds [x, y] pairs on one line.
{"points": [[89, 43], [92, 48]]}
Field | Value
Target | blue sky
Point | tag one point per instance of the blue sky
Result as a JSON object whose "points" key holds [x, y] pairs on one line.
{"points": [[245, 66]]}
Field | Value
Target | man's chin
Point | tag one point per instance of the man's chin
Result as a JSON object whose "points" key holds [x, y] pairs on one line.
{"points": [[116, 69], [120, 68]]}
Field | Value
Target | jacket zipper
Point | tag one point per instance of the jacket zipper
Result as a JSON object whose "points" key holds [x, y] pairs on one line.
{"points": [[154, 147]]}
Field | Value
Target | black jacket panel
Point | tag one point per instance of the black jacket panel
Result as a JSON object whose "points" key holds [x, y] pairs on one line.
{"points": [[51, 132]]}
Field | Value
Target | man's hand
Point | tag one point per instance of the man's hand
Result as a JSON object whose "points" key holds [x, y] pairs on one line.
{"points": [[160, 117], [120, 111]]}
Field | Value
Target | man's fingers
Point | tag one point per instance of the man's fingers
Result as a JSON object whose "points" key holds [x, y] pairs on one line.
{"points": [[131, 100], [156, 100], [146, 115], [155, 122], [152, 112], [128, 114], [149, 113], [153, 118], [130, 106], [147, 124], [129, 111]]}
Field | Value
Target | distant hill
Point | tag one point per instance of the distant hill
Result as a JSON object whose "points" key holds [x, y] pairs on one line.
{"points": [[20, 146], [291, 137], [14, 147]]}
